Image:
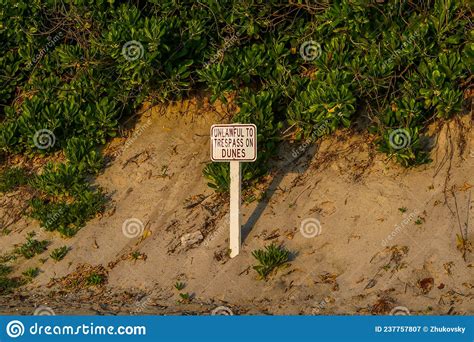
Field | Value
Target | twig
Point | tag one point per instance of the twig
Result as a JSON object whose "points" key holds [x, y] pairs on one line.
{"points": [[457, 213], [467, 213], [463, 233]]}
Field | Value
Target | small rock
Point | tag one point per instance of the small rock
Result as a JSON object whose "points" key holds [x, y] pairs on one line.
{"points": [[190, 239]]}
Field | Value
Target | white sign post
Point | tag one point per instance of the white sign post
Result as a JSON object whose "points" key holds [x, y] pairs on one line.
{"points": [[234, 143], [235, 239]]}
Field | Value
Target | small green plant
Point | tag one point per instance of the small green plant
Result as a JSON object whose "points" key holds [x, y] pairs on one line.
{"points": [[405, 145], [419, 221], [58, 254], [68, 217], [12, 178], [218, 176], [403, 209], [5, 270], [179, 285], [249, 199], [270, 259], [8, 284], [95, 279], [136, 255], [31, 272], [32, 246], [185, 298], [8, 257]]}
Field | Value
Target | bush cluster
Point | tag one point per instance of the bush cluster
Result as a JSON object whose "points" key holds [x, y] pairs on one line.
{"points": [[72, 70]]}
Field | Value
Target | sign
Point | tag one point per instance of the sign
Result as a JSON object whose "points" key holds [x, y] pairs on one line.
{"points": [[234, 142]]}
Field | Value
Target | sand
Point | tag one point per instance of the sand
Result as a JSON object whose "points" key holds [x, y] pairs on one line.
{"points": [[366, 235]]}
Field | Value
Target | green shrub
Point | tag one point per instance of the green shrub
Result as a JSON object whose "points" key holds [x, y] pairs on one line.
{"points": [[5, 270], [77, 76], [7, 285], [68, 201], [31, 247], [59, 253], [270, 259], [80, 152], [218, 175], [66, 217], [324, 105], [31, 272], [405, 145], [60, 180], [12, 178], [95, 279]]}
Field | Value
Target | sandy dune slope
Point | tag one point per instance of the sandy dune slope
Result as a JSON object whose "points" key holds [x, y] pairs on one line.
{"points": [[365, 234]]}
